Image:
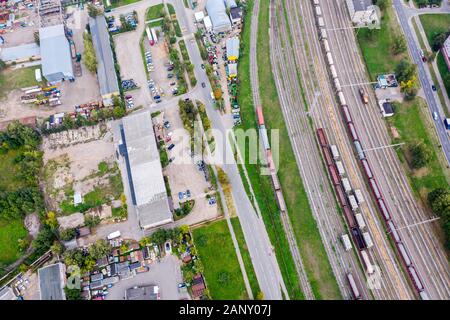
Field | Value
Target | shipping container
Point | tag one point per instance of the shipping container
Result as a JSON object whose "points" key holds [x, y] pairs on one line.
{"points": [[334, 151], [346, 185], [346, 242], [360, 221], [340, 168], [353, 203], [367, 239]]}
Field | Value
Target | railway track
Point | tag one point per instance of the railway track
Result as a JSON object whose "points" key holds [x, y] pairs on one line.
{"points": [[304, 283], [327, 118], [322, 201], [427, 253]]}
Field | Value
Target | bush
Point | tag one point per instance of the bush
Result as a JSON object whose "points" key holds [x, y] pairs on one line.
{"points": [[67, 234], [90, 60], [420, 155]]}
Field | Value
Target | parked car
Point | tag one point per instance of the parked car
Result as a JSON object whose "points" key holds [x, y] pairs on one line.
{"points": [[188, 193], [433, 87], [168, 247], [435, 116], [203, 85], [166, 124], [212, 201], [203, 66], [180, 195], [171, 146]]}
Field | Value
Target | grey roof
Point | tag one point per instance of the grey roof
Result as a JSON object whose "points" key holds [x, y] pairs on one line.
{"points": [[106, 73], [20, 52], [142, 293], [218, 14], [51, 282], [55, 53], [7, 293], [145, 171], [236, 13], [232, 45], [230, 3], [362, 5]]}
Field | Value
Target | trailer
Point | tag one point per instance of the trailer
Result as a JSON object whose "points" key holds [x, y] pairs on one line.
{"points": [[114, 235], [346, 242], [149, 36], [154, 36]]}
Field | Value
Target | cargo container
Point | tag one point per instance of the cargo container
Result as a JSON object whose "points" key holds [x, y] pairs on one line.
{"points": [[384, 210], [334, 152], [340, 168], [353, 203], [360, 221], [348, 117], [333, 72], [320, 22], [330, 59], [341, 96], [367, 262], [359, 196], [353, 287], [367, 239], [346, 242], [394, 231], [337, 84], [326, 46], [404, 254], [346, 185], [318, 11]]}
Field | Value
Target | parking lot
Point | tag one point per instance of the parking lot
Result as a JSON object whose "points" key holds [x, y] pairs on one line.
{"points": [[184, 174], [165, 274]]}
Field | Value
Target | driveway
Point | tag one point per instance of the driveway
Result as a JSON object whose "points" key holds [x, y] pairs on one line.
{"points": [[165, 274]]}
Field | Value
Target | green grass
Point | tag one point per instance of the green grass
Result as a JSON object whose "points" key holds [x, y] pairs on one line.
{"points": [[9, 171], [376, 46], [305, 228], [254, 285], [10, 233], [410, 125], [443, 70], [221, 267], [16, 79], [434, 24], [171, 9], [155, 12], [119, 3]]}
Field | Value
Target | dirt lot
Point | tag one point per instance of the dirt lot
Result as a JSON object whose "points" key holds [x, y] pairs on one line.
{"points": [[22, 35], [183, 173], [85, 88], [78, 161]]}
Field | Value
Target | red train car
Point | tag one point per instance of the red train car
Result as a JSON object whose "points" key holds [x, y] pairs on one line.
{"points": [[347, 116], [327, 156], [259, 114], [341, 196], [353, 133], [350, 217], [384, 209], [322, 139], [375, 189], [334, 175], [367, 169], [275, 181]]}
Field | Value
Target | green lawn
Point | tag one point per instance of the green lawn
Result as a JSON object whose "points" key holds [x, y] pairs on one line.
{"points": [[434, 24], [410, 124], [376, 45], [16, 79], [171, 9], [155, 12], [245, 256], [443, 70], [10, 233], [221, 267], [119, 3], [9, 170]]}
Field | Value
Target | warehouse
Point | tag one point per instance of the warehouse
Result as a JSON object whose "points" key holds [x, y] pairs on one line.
{"points": [[218, 14], [55, 54], [106, 72], [52, 282], [22, 53], [148, 190]]}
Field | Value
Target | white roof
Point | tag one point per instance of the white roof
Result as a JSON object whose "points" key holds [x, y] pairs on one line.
{"points": [[218, 14], [232, 69], [199, 16], [232, 45], [20, 52], [207, 22]]}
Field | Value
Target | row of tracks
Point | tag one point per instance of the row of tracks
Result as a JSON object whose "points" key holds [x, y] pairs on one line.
{"points": [[426, 250]]}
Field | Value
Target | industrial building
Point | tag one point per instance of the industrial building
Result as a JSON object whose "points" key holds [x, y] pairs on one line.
{"points": [[148, 190], [52, 282], [55, 54], [218, 14], [446, 52], [22, 53], [363, 12], [106, 72]]}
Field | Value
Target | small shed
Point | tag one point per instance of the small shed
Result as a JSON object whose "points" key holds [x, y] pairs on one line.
{"points": [[199, 16]]}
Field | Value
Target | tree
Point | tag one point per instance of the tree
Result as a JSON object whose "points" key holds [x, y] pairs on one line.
{"points": [[439, 201], [420, 155], [438, 41], [92, 10], [57, 248], [405, 70], [217, 94], [68, 234], [399, 44], [73, 294], [91, 221], [381, 4], [2, 65], [159, 236], [51, 220], [44, 240], [99, 249]]}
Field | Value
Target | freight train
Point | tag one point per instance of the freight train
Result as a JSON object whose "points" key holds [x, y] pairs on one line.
{"points": [[414, 276]]}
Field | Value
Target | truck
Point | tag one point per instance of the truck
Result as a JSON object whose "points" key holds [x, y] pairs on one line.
{"points": [[114, 235], [447, 123], [364, 96]]}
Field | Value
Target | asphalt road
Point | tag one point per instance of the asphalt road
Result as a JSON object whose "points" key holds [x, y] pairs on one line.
{"points": [[433, 102], [264, 261]]}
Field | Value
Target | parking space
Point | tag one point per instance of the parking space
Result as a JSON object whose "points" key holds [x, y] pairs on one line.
{"points": [[187, 178], [165, 274]]}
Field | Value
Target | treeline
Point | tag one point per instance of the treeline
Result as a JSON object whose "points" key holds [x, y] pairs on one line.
{"points": [[439, 201]]}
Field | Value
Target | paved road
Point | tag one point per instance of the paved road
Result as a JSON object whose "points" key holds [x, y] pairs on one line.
{"points": [[425, 78], [265, 264], [425, 249]]}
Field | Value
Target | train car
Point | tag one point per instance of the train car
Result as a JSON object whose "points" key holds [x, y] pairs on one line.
{"points": [[423, 295], [352, 130], [375, 189], [353, 287], [346, 185], [394, 231], [367, 169], [415, 278], [367, 262], [264, 137], [367, 239], [337, 84], [359, 196], [333, 72], [280, 200], [327, 156], [326, 46], [323, 34], [318, 11], [350, 217], [404, 254], [341, 195], [360, 221], [275, 181], [353, 203], [384, 210], [340, 168], [322, 138], [346, 242], [347, 116], [356, 233], [359, 150], [341, 97], [334, 152], [334, 175], [270, 162], [330, 59], [260, 116]]}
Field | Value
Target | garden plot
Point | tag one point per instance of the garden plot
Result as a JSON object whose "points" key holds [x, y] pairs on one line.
{"points": [[80, 171]]}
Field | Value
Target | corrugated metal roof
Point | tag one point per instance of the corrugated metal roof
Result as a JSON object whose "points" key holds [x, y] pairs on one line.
{"points": [[51, 283], [232, 45], [146, 172], [20, 52], [218, 14], [55, 53], [106, 72]]}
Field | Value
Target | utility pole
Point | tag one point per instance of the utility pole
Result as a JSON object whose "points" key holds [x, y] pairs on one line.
{"points": [[316, 96], [417, 223], [384, 147]]}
